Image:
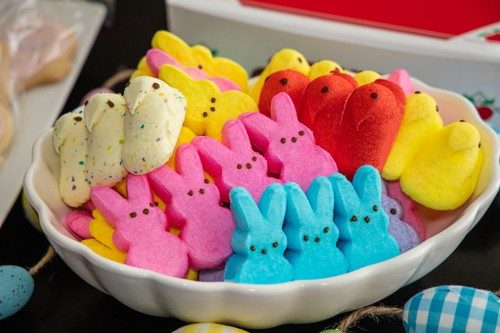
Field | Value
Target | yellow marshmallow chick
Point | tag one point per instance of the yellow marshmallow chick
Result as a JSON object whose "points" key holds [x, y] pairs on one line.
{"points": [[323, 67], [104, 114], [420, 120], [142, 69], [70, 141], [281, 60], [208, 109], [200, 57], [444, 172], [365, 77]]}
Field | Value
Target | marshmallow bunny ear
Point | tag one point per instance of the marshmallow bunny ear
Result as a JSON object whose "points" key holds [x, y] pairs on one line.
{"points": [[245, 211], [174, 46], [138, 189], [384, 186], [272, 204], [259, 128], [320, 196], [175, 77], [188, 162], [236, 137], [283, 109], [165, 181], [111, 204], [298, 208], [403, 79], [156, 58], [212, 152], [346, 199], [367, 183]]}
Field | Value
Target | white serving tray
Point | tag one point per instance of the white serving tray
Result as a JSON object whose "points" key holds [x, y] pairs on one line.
{"points": [[40, 107]]}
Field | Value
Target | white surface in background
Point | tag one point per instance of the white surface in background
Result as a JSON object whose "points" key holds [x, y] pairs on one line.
{"points": [[40, 107]]}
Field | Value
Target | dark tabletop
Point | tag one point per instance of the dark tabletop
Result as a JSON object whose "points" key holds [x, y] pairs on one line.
{"points": [[62, 302]]}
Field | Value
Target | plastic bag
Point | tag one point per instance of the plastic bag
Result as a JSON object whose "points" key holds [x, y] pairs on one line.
{"points": [[37, 47]]}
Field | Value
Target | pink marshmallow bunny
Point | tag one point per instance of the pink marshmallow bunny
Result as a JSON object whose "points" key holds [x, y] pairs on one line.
{"points": [[288, 145], [78, 221], [140, 228], [156, 58], [233, 162], [402, 77], [194, 206]]}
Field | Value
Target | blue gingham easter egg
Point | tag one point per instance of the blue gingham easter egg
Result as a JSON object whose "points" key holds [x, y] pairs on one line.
{"points": [[452, 309], [16, 287]]}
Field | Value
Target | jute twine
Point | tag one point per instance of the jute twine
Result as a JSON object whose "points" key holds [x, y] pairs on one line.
{"points": [[43, 261]]}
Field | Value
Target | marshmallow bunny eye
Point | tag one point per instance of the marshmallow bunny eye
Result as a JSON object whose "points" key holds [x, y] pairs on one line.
{"points": [[326, 229], [254, 158], [283, 140], [153, 204], [393, 211], [133, 214], [305, 238], [317, 239], [252, 248], [249, 165], [239, 166], [204, 114], [190, 193], [367, 219], [201, 190], [206, 181], [375, 208], [301, 133], [275, 244], [354, 218], [145, 211]]}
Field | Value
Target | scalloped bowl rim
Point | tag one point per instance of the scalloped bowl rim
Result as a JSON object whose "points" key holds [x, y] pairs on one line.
{"points": [[466, 220]]}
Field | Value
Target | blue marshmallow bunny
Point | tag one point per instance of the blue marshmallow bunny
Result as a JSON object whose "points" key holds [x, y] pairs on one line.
{"points": [[311, 234], [362, 223], [258, 242]]}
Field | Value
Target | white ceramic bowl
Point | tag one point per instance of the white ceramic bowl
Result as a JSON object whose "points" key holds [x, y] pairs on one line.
{"points": [[262, 306]]}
